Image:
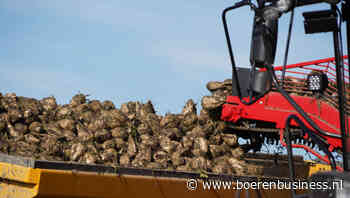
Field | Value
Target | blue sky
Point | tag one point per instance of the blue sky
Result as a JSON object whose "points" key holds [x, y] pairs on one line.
{"points": [[165, 51]]}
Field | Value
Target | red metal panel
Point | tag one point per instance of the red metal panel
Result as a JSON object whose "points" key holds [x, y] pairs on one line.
{"points": [[275, 108]]}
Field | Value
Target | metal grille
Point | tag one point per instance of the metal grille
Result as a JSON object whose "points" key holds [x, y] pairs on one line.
{"points": [[296, 76]]}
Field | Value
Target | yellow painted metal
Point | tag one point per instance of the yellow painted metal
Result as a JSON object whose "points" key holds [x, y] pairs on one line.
{"points": [[18, 181], [314, 168], [22, 182], [68, 184]]}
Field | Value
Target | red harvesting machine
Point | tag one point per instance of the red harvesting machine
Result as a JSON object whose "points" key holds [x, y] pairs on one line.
{"points": [[267, 116], [298, 105]]}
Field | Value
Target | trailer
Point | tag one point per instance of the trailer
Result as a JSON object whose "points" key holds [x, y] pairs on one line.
{"points": [[26, 178]]}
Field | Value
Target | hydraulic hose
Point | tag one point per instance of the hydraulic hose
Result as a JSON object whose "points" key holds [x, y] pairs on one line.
{"points": [[297, 107]]}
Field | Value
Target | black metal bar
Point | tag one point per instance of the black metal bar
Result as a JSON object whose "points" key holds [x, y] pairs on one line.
{"points": [[341, 97], [235, 80], [302, 2], [309, 2], [290, 158], [347, 21], [229, 45], [346, 18], [346, 14], [288, 44]]}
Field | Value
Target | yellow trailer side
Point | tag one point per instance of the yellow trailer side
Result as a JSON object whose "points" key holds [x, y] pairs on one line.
{"points": [[65, 180]]}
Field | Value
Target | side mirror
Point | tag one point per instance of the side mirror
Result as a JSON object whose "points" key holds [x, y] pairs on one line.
{"points": [[264, 40]]}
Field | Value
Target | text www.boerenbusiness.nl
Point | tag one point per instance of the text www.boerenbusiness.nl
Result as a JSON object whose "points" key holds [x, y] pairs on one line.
{"points": [[195, 184]]}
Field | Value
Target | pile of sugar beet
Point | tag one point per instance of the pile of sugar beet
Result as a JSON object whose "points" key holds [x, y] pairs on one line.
{"points": [[95, 132]]}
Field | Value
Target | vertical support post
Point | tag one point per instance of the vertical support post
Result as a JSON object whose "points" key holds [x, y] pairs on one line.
{"points": [[341, 97], [346, 15], [290, 158], [346, 18]]}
